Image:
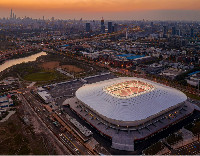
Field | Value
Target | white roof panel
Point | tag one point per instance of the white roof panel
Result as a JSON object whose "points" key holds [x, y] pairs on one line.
{"points": [[132, 108]]}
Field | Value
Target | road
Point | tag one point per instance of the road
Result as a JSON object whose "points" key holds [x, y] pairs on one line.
{"points": [[189, 149], [68, 139], [47, 132]]}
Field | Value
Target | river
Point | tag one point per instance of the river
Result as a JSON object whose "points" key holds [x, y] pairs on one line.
{"points": [[13, 62]]}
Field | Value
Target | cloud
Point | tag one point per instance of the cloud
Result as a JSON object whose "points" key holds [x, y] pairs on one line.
{"points": [[101, 5]]}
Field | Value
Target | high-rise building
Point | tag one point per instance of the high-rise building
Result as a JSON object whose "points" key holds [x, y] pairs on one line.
{"points": [[126, 33], [191, 32], [102, 26], [178, 32], [115, 27], [87, 27], [109, 27], [151, 24], [11, 14], [52, 18], [173, 31], [165, 31]]}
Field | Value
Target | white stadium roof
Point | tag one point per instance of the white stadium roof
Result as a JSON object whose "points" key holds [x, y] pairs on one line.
{"points": [[134, 107]]}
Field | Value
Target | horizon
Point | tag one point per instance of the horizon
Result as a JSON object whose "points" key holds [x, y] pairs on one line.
{"points": [[179, 10]]}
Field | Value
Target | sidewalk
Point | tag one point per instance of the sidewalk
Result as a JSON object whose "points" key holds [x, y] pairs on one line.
{"points": [[8, 116]]}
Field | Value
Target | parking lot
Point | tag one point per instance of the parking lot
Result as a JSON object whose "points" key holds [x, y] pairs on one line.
{"points": [[189, 149], [101, 77], [61, 91]]}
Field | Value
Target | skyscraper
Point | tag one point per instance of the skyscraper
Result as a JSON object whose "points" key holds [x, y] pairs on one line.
{"points": [[151, 24], [102, 26], [87, 27], [164, 31], [173, 30], [109, 27], [126, 33], [11, 14], [115, 27], [191, 32], [178, 32]]}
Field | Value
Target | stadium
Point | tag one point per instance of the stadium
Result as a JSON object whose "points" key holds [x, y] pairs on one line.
{"points": [[128, 109]]}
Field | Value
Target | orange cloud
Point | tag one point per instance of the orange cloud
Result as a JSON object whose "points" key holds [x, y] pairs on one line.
{"points": [[101, 5]]}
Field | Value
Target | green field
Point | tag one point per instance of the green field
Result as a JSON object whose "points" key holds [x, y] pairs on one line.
{"points": [[193, 96], [41, 76]]}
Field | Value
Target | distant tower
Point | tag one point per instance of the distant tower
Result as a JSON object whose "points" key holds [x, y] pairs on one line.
{"points": [[115, 27], [109, 27], [191, 32], [11, 14], [178, 32], [151, 24], [87, 27], [43, 18], [164, 31], [102, 26], [126, 33], [173, 31]]}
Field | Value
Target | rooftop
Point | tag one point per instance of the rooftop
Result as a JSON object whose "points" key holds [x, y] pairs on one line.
{"points": [[132, 104]]}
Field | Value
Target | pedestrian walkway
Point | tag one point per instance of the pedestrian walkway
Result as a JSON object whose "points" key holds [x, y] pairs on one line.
{"points": [[8, 116]]}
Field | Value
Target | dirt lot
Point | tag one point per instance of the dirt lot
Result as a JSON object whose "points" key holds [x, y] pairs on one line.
{"points": [[55, 64], [50, 65], [71, 68], [18, 138], [22, 137]]}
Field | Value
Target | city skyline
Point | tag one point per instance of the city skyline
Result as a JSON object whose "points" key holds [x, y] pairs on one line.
{"points": [[112, 10]]}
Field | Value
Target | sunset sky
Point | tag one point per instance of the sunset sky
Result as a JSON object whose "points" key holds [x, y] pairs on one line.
{"points": [[111, 9]]}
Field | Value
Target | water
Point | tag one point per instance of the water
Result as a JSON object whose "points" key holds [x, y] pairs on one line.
{"points": [[13, 62]]}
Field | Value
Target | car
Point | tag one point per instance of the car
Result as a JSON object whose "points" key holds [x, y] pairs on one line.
{"points": [[76, 149]]}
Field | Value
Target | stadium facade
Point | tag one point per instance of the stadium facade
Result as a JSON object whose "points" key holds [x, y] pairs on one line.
{"points": [[127, 109]]}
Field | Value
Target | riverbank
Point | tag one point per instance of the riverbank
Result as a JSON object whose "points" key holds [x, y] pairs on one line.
{"points": [[12, 62], [30, 69], [18, 55]]}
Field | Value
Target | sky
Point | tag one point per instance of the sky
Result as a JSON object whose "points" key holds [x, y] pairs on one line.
{"points": [[109, 9]]}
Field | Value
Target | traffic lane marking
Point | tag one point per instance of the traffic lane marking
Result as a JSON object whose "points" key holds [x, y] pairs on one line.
{"points": [[72, 143]]}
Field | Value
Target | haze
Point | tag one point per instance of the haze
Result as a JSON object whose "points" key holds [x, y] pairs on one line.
{"points": [[110, 9]]}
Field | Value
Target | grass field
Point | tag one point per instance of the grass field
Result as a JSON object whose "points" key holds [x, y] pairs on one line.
{"points": [[193, 96], [41, 76]]}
